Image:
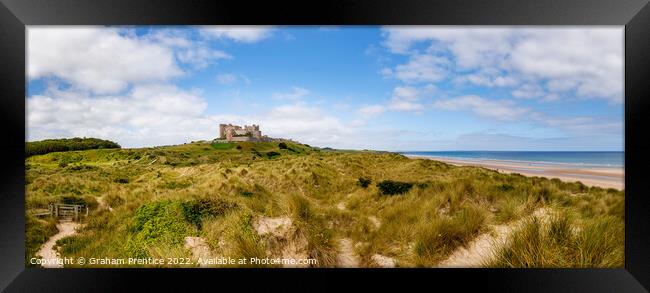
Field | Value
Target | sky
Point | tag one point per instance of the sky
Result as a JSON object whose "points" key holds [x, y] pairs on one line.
{"points": [[411, 88]]}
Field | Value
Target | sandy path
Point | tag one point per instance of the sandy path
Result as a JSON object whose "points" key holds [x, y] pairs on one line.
{"points": [[483, 247], [347, 258], [199, 248], [601, 177], [48, 254]]}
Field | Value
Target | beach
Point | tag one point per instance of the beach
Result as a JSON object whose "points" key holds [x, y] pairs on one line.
{"points": [[606, 177]]}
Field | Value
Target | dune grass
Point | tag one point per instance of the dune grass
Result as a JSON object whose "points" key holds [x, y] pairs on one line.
{"points": [[160, 195]]}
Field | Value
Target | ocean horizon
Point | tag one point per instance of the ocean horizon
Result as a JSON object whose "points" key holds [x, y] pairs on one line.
{"points": [[576, 158]]}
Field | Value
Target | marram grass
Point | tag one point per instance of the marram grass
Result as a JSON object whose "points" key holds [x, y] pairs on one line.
{"points": [[158, 196]]}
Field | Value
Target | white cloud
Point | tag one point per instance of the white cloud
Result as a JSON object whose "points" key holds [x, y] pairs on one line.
{"points": [[146, 116], [193, 52], [201, 57], [528, 91], [588, 62], [405, 99], [422, 68], [494, 109], [96, 58], [299, 121], [369, 111], [244, 34], [296, 93]]}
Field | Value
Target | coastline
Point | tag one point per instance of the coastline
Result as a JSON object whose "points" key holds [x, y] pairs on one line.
{"points": [[605, 177]]}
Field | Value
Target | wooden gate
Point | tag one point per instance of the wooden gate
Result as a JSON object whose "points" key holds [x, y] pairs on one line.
{"points": [[67, 210]]}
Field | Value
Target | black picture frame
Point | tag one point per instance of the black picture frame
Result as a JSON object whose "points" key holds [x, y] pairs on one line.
{"points": [[16, 14]]}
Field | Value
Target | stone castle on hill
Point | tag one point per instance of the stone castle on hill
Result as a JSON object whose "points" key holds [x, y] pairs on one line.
{"points": [[229, 132]]}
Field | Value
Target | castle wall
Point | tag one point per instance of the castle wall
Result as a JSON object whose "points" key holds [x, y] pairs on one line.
{"points": [[247, 133]]}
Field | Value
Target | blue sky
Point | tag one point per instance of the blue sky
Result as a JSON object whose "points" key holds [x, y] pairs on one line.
{"points": [[385, 88]]}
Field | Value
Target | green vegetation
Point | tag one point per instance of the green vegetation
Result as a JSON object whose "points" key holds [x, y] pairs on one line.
{"points": [[36, 233], [390, 187], [66, 144], [364, 182], [219, 192]]}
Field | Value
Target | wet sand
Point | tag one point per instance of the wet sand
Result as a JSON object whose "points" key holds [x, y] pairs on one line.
{"points": [[602, 177]]}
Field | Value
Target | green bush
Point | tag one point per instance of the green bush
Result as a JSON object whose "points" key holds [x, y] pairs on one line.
{"points": [[282, 146], [364, 182], [272, 154], [505, 187], [71, 199], [389, 187], [160, 222], [67, 144], [196, 210]]}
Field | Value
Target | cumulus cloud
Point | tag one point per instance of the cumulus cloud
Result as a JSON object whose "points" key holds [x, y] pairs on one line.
{"points": [[587, 62], [243, 34], [201, 57], [97, 59], [405, 99], [494, 109], [150, 115], [422, 68]]}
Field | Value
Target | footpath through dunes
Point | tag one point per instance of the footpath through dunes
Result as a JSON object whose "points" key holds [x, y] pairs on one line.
{"points": [[483, 248], [347, 258], [51, 258]]}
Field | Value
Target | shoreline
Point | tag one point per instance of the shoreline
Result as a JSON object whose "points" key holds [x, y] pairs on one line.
{"points": [[605, 177]]}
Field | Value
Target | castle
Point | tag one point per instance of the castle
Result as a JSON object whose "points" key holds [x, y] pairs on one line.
{"points": [[231, 132]]}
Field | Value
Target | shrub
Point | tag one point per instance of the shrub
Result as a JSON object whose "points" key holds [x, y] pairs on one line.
{"points": [[196, 210], [238, 147], [155, 223], [505, 187], [121, 180], [272, 154], [389, 187], [364, 182], [71, 199], [282, 146]]}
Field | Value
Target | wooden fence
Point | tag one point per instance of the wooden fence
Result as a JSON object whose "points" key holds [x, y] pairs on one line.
{"points": [[65, 211]]}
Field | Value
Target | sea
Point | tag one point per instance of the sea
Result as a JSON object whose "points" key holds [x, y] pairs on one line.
{"points": [[610, 159]]}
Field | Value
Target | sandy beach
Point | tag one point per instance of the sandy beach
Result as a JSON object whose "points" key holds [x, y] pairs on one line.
{"points": [[603, 177]]}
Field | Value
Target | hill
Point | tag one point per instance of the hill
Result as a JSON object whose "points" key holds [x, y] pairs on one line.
{"points": [[340, 208]]}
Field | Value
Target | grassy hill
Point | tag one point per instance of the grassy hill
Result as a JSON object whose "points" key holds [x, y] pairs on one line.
{"points": [[144, 202]]}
